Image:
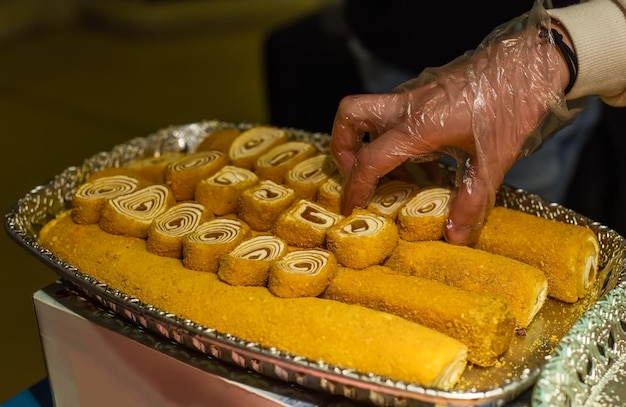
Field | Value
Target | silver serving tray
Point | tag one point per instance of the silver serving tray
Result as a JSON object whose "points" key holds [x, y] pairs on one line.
{"points": [[494, 386]]}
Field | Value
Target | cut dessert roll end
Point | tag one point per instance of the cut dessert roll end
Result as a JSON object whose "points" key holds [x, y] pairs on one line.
{"points": [[221, 191], [302, 273], [153, 168], [248, 264], [588, 262], [423, 217], [182, 175], [307, 176], [390, 196], [305, 224], [253, 143], [329, 193], [275, 164], [88, 201], [260, 205]]}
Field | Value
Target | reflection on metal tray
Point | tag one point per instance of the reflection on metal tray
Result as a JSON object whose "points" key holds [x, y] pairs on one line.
{"points": [[493, 386]]}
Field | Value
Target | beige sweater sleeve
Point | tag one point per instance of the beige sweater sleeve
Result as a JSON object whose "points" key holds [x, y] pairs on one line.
{"points": [[598, 31]]}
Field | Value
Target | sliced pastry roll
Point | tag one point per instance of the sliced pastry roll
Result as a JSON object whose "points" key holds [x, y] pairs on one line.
{"points": [[275, 164], [307, 176], [362, 239], [329, 193], [221, 191], [568, 254], [423, 217], [302, 273], [220, 140], [248, 264], [390, 196], [167, 231], [203, 248], [132, 214], [253, 143], [182, 175], [259, 206], [153, 168], [88, 201], [305, 224]]}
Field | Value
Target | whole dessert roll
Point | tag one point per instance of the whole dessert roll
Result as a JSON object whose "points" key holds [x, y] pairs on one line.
{"points": [[260, 205], [568, 254], [167, 231], [204, 247], [423, 217], [133, 213], [275, 164], [351, 337], [220, 140], [483, 322], [182, 175], [253, 143], [302, 273], [525, 287], [305, 224], [248, 264], [390, 196], [362, 239], [307, 176], [88, 200], [329, 193], [221, 191]]}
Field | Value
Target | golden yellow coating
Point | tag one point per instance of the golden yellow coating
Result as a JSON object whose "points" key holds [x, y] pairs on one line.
{"points": [[302, 273], [220, 140], [568, 254], [260, 205], [248, 264], [182, 175], [423, 217], [524, 287], [484, 323], [88, 200], [390, 196], [305, 224], [221, 191], [153, 168], [353, 337], [329, 193], [275, 164], [307, 176], [362, 239], [253, 143]]}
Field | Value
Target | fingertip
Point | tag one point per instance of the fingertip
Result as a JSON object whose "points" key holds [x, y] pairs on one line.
{"points": [[462, 235]]}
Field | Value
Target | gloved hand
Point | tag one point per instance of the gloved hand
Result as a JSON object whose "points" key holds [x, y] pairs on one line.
{"points": [[486, 109]]}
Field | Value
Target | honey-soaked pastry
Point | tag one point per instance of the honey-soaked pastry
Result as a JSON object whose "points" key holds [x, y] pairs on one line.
{"points": [[182, 175], [362, 239], [132, 214], [167, 231], [390, 196], [253, 143], [329, 193], [568, 254], [302, 273], [307, 176], [220, 140], [483, 322], [275, 164], [88, 200], [305, 224], [524, 287], [221, 191], [423, 217], [153, 168], [351, 337], [259, 206], [203, 248], [248, 264]]}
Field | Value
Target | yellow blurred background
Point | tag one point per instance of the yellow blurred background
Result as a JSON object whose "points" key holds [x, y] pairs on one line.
{"points": [[80, 76]]}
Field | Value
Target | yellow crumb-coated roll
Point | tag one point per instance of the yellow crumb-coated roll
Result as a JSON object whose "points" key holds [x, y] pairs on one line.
{"points": [[306, 177], [423, 217], [88, 200], [253, 143], [483, 322], [568, 254], [275, 164], [248, 264], [329, 193], [182, 175], [524, 287], [302, 273], [204, 247], [305, 224], [167, 231], [362, 239], [221, 191], [260, 205], [220, 140], [354, 337], [153, 168], [390, 196]]}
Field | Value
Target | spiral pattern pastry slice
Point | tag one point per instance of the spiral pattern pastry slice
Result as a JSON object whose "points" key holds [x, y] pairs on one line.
{"points": [[302, 273], [220, 140], [329, 193], [182, 175], [307, 176], [132, 214], [153, 168], [568, 254], [203, 248], [221, 191], [362, 239], [275, 164], [88, 200], [167, 231], [423, 217], [253, 143], [524, 287], [248, 264], [260, 205], [390, 196], [305, 224]]}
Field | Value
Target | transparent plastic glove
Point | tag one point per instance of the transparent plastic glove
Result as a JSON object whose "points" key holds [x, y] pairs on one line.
{"points": [[486, 109]]}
